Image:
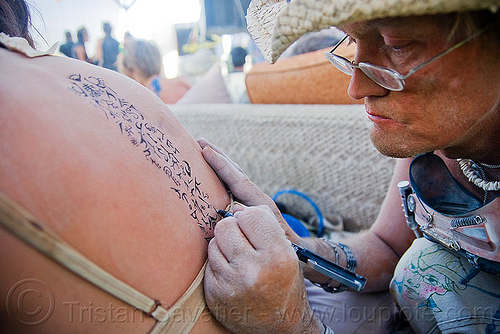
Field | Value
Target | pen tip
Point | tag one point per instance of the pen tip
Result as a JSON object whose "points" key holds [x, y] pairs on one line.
{"points": [[224, 214]]}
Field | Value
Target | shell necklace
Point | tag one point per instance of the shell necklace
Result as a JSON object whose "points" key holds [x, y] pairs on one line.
{"points": [[473, 173]]}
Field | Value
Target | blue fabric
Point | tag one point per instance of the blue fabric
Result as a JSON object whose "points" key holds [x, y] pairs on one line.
{"points": [[156, 86], [296, 225], [310, 201]]}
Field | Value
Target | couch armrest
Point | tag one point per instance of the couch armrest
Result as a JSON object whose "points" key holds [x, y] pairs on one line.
{"points": [[307, 78]]}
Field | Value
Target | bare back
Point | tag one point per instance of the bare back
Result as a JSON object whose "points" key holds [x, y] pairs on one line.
{"points": [[101, 161]]}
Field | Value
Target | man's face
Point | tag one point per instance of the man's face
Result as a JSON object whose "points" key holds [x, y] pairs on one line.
{"points": [[451, 105]]}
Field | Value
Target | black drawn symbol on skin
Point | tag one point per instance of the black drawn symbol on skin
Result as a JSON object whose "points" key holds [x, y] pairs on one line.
{"points": [[30, 301], [155, 144]]}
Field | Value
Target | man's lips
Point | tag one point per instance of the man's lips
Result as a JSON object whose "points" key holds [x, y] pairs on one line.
{"points": [[378, 117]]}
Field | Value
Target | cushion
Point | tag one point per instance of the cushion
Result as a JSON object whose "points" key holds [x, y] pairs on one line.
{"points": [[211, 88], [307, 78]]}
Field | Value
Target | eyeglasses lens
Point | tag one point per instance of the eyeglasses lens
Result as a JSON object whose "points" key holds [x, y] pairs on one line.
{"points": [[341, 63], [383, 77]]}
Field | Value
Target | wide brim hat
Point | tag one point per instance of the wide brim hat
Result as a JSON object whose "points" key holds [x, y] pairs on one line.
{"points": [[276, 24]]}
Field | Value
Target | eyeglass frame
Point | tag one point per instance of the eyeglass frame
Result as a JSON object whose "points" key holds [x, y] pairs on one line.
{"points": [[343, 63]]}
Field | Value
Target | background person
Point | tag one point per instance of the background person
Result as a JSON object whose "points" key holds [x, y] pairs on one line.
{"points": [[448, 103], [80, 48], [142, 61], [107, 49], [235, 78], [238, 58], [68, 48]]}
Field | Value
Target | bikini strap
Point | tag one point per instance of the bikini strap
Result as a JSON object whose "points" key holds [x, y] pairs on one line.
{"points": [[26, 227], [188, 309]]}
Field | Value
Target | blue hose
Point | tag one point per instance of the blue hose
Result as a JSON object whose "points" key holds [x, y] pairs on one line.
{"points": [[310, 201]]}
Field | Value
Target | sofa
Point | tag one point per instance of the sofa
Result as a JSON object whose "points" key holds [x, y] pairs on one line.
{"points": [[307, 78], [320, 150]]}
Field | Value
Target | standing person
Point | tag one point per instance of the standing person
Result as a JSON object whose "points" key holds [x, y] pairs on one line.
{"points": [[142, 61], [107, 49], [106, 203], [235, 78], [128, 39], [238, 58], [80, 48], [429, 75], [68, 48]]}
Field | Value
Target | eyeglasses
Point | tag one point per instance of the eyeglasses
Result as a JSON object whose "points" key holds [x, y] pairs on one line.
{"points": [[383, 76]]}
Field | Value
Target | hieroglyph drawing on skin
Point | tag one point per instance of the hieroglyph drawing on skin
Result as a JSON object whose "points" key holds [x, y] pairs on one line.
{"points": [[154, 143]]}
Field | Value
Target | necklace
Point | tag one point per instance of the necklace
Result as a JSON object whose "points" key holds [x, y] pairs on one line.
{"points": [[489, 166], [467, 167]]}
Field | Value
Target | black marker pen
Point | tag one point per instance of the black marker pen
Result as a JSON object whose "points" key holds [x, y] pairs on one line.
{"points": [[224, 214], [322, 265]]}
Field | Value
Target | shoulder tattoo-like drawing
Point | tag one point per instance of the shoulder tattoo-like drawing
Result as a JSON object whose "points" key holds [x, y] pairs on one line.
{"points": [[154, 143]]}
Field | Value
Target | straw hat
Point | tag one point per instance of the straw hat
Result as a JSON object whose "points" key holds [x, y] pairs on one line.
{"points": [[275, 24]]}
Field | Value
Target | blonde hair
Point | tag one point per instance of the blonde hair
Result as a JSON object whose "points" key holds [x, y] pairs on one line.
{"points": [[144, 56]]}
